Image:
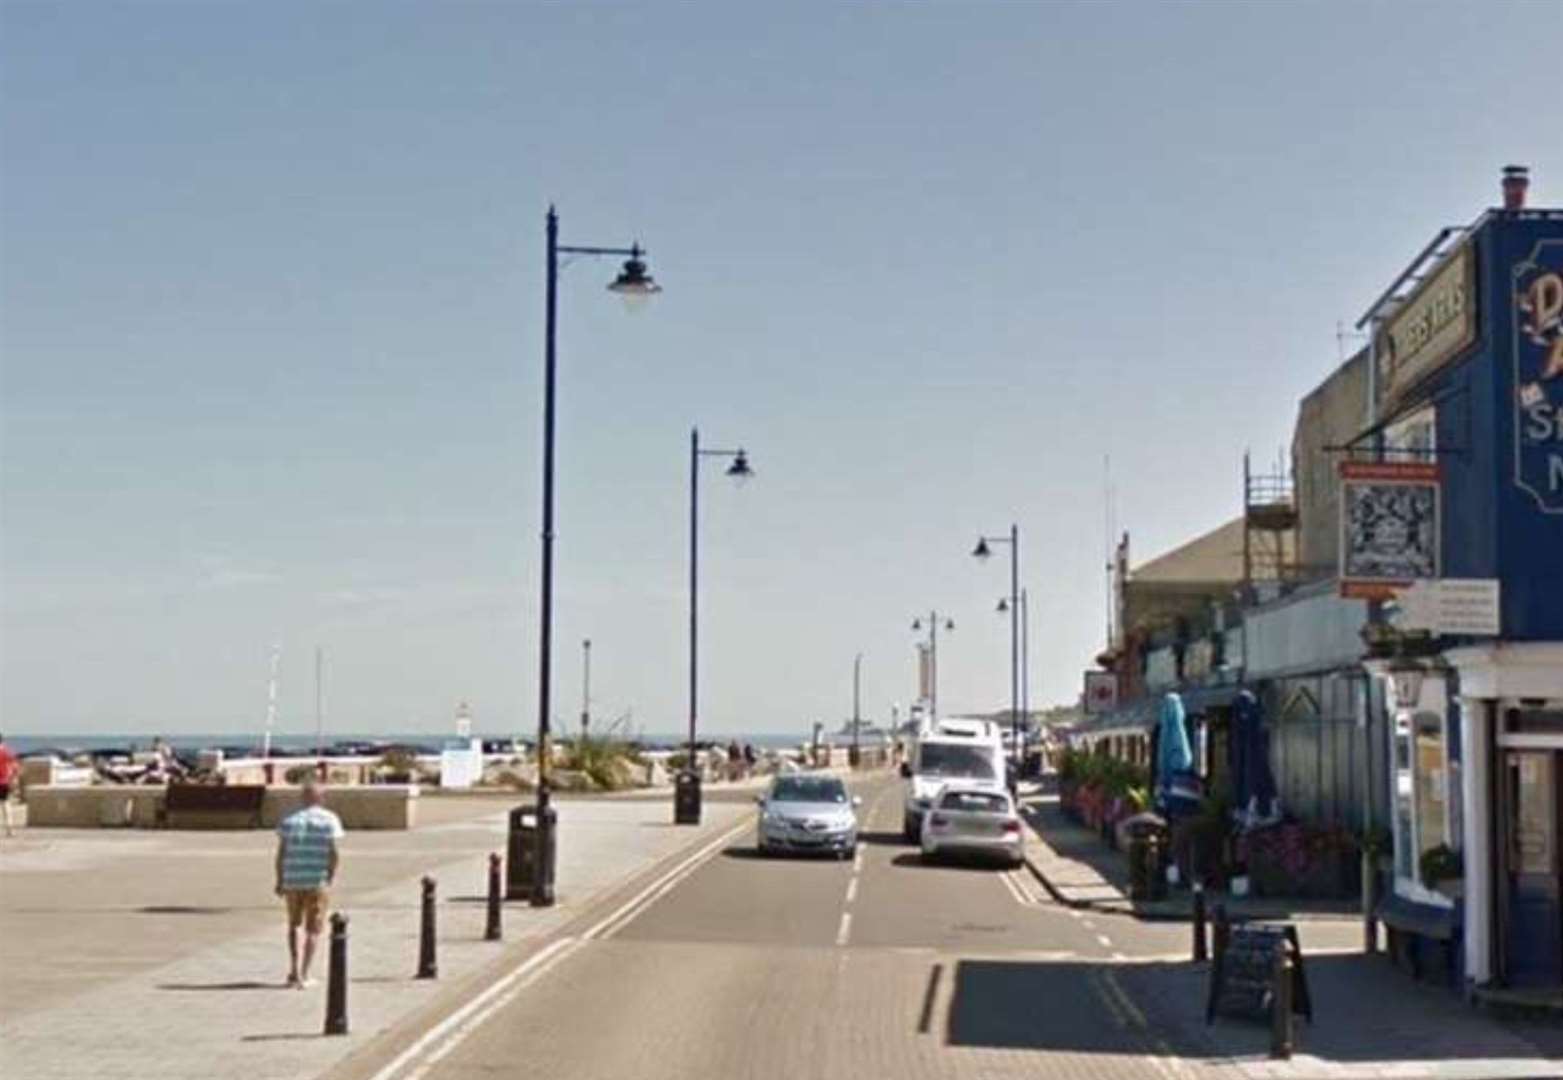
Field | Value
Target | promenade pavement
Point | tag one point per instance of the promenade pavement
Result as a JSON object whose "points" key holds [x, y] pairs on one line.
{"points": [[1370, 1019], [161, 955]]}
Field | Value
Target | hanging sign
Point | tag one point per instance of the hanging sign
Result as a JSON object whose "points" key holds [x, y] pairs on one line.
{"points": [[1101, 692], [1389, 526], [1538, 376]]}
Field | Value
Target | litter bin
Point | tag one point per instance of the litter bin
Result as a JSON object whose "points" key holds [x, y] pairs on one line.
{"points": [[521, 852], [686, 798], [1146, 843]]}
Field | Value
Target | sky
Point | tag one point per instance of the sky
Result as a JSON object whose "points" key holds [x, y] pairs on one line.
{"points": [[271, 319]]}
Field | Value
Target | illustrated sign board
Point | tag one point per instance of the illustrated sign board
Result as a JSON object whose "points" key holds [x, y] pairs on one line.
{"points": [[1389, 526], [1101, 692], [1538, 376], [1452, 606], [1431, 328]]}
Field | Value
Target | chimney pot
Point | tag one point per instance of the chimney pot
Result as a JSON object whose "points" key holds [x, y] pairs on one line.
{"points": [[1516, 180]]}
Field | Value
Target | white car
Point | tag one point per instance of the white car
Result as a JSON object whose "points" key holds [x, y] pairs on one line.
{"points": [[973, 820]]}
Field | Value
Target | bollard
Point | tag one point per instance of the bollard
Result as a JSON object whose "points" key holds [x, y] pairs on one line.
{"points": [[1281, 1034], [1369, 901], [492, 931], [427, 969], [336, 977], [1200, 952], [1220, 930]]}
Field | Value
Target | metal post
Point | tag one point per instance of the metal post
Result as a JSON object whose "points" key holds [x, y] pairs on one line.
{"points": [[492, 932], [1282, 1036], [686, 810], [1025, 664], [857, 714], [1220, 932], [1014, 645], [336, 977], [427, 968], [1200, 954], [542, 882], [933, 665], [586, 687]]}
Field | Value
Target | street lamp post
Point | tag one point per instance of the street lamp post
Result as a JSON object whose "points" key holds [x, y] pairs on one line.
{"points": [[857, 712], [982, 551], [934, 619], [634, 284], [686, 790], [1025, 655]]}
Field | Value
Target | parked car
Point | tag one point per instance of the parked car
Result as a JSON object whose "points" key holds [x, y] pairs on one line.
{"points": [[803, 812], [967, 819], [968, 752]]}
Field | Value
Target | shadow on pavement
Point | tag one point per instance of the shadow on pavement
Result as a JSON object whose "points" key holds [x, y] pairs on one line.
{"points": [[248, 984], [1364, 1011], [974, 864], [883, 839]]}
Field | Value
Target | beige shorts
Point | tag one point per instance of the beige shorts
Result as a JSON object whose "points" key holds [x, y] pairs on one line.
{"points": [[307, 907]]}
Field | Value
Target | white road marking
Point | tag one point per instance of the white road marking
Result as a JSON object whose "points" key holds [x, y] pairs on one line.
{"points": [[1120, 957], [1106, 941], [857, 862], [846, 928], [455, 1028], [1073, 914], [1014, 890], [852, 889]]}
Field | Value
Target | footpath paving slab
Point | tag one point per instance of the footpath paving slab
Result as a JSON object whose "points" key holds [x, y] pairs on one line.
{"points": [[161, 955]]}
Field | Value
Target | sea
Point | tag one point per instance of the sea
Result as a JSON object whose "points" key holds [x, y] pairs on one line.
{"points": [[303, 743]]}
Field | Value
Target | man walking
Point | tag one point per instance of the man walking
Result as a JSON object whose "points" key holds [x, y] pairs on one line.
{"points": [[306, 867], [9, 768]]}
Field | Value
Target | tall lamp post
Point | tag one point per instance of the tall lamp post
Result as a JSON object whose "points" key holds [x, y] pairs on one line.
{"points": [[856, 754], [934, 621], [1025, 655], [634, 285], [982, 551], [686, 789]]}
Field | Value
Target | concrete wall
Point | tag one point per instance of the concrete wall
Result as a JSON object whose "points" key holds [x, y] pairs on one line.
{"points": [[1331, 415], [1309, 630], [383, 806]]}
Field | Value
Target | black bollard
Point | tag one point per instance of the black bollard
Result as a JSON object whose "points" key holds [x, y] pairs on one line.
{"points": [[427, 969], [1369, 901], [336, 977], [1220, 930], [1200, 953], [492, 931], [1281, 1034]]}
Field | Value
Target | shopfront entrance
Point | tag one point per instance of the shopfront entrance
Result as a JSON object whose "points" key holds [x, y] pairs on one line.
{"points": [[1531, 882]]}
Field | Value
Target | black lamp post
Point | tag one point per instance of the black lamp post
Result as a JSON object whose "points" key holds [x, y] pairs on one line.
{"points": [[635, 285], [856, 754], [934, 621], [1025, 655], [686, 788], [982, 551]]}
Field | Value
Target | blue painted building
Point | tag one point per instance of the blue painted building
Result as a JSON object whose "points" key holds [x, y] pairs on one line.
{"points": [[1467, 384]]}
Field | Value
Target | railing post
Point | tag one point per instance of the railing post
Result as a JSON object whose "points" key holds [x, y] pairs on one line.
{"points": [[1221, 930], [427, 968], [1200, 949], [492, 931], [1281, 1034], [336, 977]]}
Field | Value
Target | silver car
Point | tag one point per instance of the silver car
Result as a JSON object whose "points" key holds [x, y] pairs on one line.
{"points": [[808, 813], [970, 820]]}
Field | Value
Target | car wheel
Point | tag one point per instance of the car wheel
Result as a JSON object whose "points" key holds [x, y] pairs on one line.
{"points": [[927, 858]]}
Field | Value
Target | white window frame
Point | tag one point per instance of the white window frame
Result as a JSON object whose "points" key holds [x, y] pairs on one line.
{"points": [[1433, 701]]}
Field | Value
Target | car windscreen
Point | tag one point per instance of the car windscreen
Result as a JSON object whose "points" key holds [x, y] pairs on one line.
{"points": [[944, 759], [981, 802], [809, 789]]}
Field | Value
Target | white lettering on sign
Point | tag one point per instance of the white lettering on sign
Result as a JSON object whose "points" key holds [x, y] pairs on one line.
{"points": [[1538, 375], [1542, 304], [1432, 327]]}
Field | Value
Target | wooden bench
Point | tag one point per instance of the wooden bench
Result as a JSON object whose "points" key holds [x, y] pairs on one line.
{"points": [[213, 806]]}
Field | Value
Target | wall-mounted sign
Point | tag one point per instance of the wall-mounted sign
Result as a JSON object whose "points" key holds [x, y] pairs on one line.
{"points": [[1538, 375], [1436, 324], [1101, 692], [1389, 526], [1451, 606]]}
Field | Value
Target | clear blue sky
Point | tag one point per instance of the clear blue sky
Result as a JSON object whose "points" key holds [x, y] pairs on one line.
{"points": [[272, 327]]}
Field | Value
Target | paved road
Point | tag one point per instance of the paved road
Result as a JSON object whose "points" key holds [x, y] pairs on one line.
{"points": [[797, 969]]}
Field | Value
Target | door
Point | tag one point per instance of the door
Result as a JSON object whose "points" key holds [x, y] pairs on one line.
{"points": [[1534, 938]]}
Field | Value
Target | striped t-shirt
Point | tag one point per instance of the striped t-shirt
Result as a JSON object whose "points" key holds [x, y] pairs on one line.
{"points": [[307, 836]]}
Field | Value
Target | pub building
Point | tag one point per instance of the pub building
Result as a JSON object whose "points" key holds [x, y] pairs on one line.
{"points": [[1458, 472]]}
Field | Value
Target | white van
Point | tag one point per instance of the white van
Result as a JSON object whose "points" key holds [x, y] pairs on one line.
{"points": [[971, 751]]}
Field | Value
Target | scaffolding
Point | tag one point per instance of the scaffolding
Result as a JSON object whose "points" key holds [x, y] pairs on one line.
{"points": [[1269, 524]]}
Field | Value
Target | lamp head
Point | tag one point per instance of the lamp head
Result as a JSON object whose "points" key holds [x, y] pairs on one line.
{"points": [[949, 624], [1003, 605], [981, 551], [634, 285], [917, 624], [739, 470], [1405, 682]]}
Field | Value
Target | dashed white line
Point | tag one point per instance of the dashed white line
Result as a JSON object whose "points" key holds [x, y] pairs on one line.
{"points": [[852, 889], [845, 931], [1106, 942]]}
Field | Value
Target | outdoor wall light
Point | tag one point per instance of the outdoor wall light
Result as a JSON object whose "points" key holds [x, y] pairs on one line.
{"points": [[1405, 682]]}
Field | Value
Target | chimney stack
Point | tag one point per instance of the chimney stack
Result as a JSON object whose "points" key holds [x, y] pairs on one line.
{"points": [[1516, 179]]}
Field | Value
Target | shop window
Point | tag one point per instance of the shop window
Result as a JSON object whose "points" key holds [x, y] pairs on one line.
{"points": [[1423, 798]]}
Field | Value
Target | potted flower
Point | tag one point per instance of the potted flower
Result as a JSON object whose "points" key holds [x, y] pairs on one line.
{"points": [[1443, 870]]}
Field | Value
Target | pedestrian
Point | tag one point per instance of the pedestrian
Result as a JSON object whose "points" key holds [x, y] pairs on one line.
{"points": [[750, 759], [9, 768], [306, 868], [734, 757]]}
